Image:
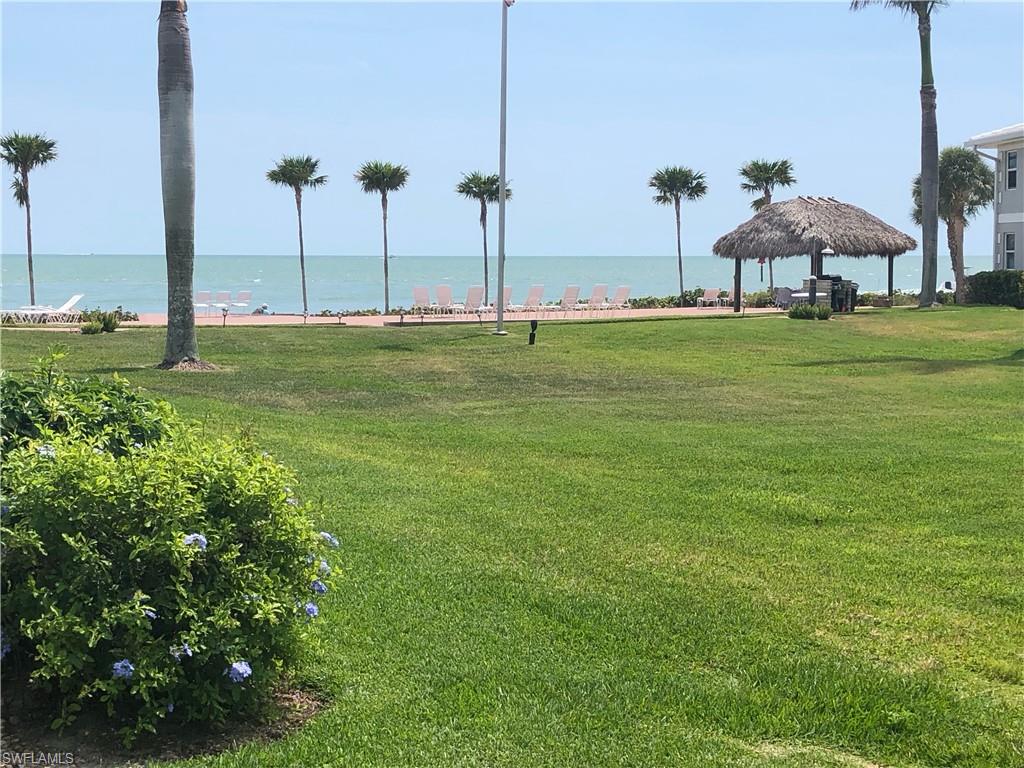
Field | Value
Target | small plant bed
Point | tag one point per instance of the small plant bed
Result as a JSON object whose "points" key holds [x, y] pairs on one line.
{"points": [[94, 743]]}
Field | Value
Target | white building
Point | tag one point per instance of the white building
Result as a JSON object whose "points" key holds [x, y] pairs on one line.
{"points": [[1008, 203]]}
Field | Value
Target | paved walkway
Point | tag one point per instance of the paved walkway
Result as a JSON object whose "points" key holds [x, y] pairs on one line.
{"points": [[487, 318]]}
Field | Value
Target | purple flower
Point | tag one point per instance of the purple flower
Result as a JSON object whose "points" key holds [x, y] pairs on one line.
{"points": [[238, 671], [46, 451], [329, 539], [312, 611], [124, 669], [325, 569], [184, 650], [150, 613], [5, 646], [170, 707], [196, 538], [318, 586], [4, 510]]}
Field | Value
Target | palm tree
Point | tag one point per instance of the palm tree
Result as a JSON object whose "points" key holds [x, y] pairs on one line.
{"points": [[922, 9], [673, 184], [484, 188], [178, 180], [378, 177], [965, 188], [23, 152], [298, 172], [762, 177]]}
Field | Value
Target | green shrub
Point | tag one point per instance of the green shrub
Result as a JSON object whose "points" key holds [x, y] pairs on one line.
{"points": [[169, 580], [759, 299], [92, 327], [107, 413], [108, 321], [810, 312], [1004, 287]]}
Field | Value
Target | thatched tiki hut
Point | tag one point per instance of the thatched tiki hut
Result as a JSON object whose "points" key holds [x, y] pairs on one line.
{"points": [[805, 226]]}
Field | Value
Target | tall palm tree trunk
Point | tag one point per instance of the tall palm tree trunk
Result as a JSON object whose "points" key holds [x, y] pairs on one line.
{"points": [[178, 178], [929, 165], [483, 226], [28, 240], [955, 238], [384, 214], [679, 255], [771, 272], [302, 251]]}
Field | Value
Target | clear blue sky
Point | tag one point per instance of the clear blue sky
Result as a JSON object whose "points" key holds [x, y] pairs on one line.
{"points": [[600, 95]]}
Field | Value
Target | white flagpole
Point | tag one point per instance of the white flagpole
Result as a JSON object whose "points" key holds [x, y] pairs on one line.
{"points": [[500, 328]]}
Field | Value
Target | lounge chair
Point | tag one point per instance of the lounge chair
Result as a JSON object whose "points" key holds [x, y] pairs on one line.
{"points": [[621, 298], [242, 302], [222, 300], [507, 293], [710, 298], [474, 298], [421, 299], [444, 299], [532, 303], [569, 300], [727, 301], [783, 297], [44, 313], [202, 301], [598, 298]]}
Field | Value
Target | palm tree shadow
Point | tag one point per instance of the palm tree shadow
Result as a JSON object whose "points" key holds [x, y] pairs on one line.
{"points": [[922, 364]]}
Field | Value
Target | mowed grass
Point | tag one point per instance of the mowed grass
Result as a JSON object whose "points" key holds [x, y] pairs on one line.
{"points": [[713, 542]]}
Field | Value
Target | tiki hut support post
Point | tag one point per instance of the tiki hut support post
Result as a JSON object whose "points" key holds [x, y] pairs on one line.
{"points": [[891, 259], [737, 289]]}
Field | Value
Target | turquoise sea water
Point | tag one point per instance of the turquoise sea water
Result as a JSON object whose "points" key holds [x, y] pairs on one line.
{"points": [[356, 282]]}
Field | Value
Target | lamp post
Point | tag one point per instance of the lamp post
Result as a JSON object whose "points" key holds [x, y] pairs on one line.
{"points": [[499, 329]]}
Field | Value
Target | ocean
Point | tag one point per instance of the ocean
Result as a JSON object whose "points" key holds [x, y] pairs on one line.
{"points": [[138, 283]]}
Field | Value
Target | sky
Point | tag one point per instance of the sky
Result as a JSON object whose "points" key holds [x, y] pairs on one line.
{"points": [[600, 96]]}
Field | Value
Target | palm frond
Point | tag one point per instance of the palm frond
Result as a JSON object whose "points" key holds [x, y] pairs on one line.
{"points": [[381, 177], [20, 193], [25, 151], [965, 185], [918, 7], [674, 183], [297, 171]]}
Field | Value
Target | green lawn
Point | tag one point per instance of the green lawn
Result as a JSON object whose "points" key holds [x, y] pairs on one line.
{"points": [[755, 542]]}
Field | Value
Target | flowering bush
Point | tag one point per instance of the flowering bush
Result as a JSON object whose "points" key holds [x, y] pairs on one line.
{"points": [[170, 578], [110, 414]]}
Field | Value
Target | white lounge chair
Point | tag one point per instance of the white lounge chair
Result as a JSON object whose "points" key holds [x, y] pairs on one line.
{"points": [[569, 299], [507, 293], [242, 302], [597, 300], [474, 298], [421, 299], [532, 303], [44, 313], [444, 299], [222, 300], [710, 298], [202, 301], [621, 298]]}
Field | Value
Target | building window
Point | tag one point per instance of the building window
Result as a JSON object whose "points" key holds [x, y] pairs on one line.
{"points": [[1010, 250], [1011, 170]]}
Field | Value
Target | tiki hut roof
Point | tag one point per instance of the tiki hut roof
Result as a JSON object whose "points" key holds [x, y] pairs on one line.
{"points": [[804, 226]]}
